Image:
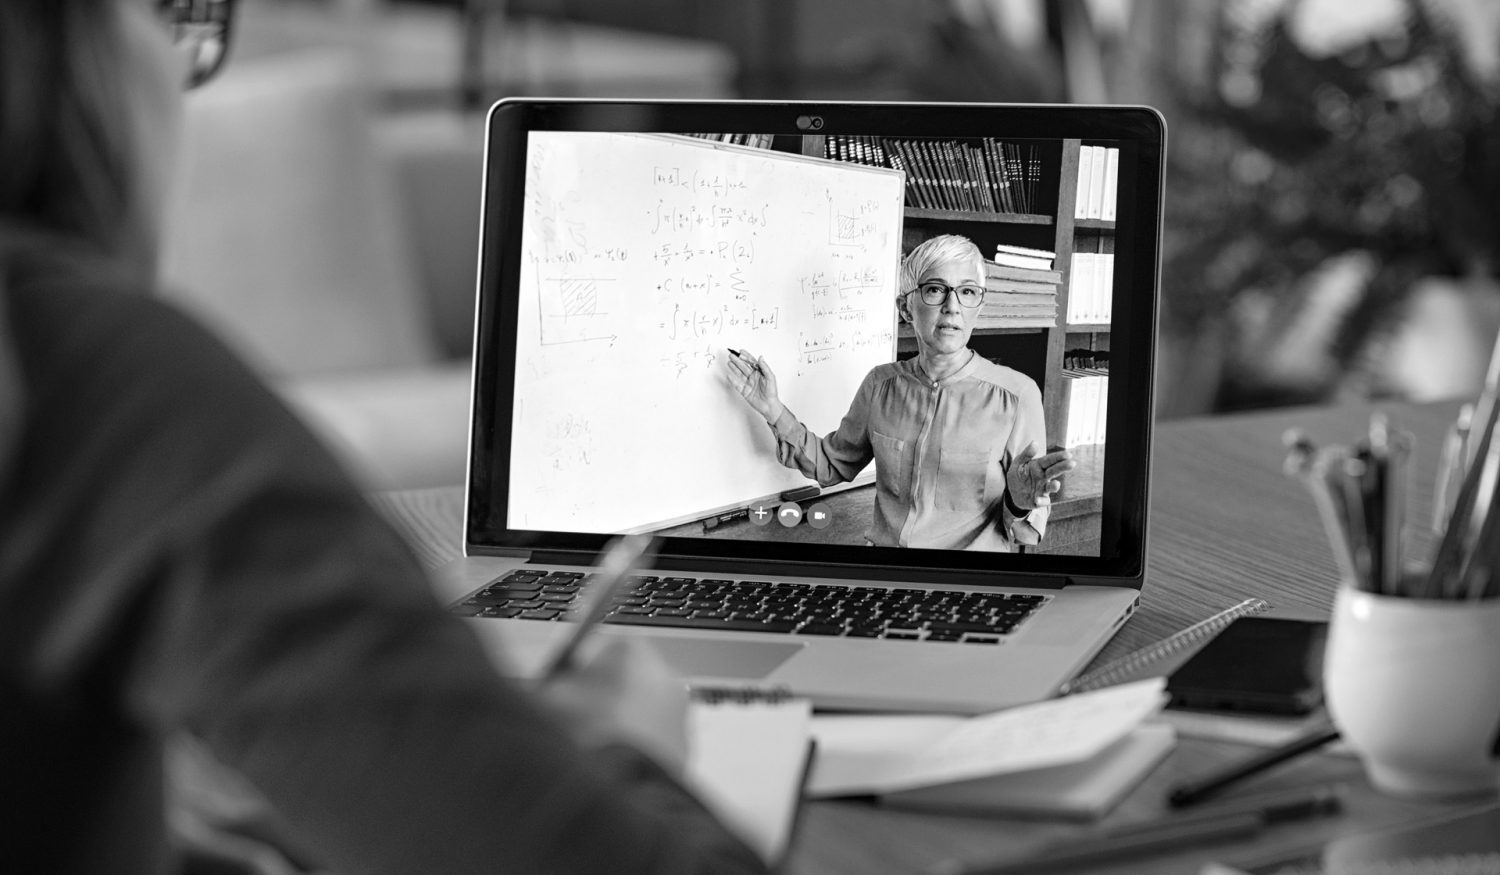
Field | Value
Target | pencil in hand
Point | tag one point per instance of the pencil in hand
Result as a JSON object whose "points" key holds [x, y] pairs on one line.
{"points": [[621, 557]]}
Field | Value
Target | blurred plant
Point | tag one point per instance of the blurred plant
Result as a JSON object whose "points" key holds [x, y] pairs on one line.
{"points": [[1322, 177]]}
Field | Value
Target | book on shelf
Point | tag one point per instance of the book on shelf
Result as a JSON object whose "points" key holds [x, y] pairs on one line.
{"points": [[1111, 184], [1086, 378], [1018, 297], [995, 270], [1085, 168], [1024, 257], [1004, 308], [984, 176], [1091, 283], [1098, 181], [754, 141]]}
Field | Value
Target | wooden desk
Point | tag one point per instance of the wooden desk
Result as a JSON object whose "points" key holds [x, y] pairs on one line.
{"points": [[1225, 524]]}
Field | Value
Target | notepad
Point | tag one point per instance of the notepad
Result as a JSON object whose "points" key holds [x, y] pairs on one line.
{"points": [[882, 755], [1084, 790], [749, 752]]}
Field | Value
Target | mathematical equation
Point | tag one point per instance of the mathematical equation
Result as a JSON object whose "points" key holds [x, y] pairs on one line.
{"points": [[665, 218], [697, 181], [820, 348], [689, 323]]}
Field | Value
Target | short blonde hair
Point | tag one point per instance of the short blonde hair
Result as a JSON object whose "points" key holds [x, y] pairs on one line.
{"points": [[936, 250]]}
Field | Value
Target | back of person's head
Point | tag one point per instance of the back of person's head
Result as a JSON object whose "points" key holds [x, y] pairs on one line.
{"points": [[70, 144]]}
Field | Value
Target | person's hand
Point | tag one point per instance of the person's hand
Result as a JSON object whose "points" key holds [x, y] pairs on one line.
{"points": [[625, 693], [1033, 479], [752, 378]]}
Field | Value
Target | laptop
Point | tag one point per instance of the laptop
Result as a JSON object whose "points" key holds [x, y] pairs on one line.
{"points": [[861, 550]]}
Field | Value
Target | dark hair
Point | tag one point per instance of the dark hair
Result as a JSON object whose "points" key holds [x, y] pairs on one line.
{"points": [[67, 144]]}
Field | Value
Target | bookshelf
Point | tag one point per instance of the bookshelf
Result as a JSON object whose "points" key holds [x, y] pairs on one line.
{"points": [[1051, 223]]}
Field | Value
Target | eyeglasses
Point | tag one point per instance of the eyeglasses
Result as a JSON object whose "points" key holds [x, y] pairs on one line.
{"points": [[935, 293], [203, 28]]}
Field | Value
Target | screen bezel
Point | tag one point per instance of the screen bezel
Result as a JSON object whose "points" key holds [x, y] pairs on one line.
{"points": [[1124, 501]]}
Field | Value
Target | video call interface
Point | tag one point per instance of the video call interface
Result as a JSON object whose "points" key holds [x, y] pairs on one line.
{"points": [[651, 263]]}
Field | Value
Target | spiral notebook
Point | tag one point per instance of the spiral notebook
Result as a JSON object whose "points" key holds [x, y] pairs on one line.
{"points": [[1152, 659], [749, 753]]}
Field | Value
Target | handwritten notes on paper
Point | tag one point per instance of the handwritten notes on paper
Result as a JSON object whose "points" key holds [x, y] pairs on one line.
{"points": [[864, 754], [643, 258]]}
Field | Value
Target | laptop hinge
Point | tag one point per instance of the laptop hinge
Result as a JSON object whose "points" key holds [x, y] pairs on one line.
{"points": [[753, 567]]}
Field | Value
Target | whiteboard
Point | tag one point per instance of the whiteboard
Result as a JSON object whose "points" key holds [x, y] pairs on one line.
{"points": [[643, 258]]}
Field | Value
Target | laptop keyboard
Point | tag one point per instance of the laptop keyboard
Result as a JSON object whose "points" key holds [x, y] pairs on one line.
{"points": [[765, 606]]}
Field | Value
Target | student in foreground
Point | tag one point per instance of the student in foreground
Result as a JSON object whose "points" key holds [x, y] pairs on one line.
{"points": [[177, 554], [958, 441]]}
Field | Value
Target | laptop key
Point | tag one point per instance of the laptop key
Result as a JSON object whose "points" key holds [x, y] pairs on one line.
{"points": [[961, 628]]}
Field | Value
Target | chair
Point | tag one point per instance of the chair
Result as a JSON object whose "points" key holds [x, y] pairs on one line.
{"points": [[293, 240]]}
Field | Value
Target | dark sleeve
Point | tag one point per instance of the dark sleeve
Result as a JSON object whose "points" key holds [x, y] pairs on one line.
{"points": [[210, 568]]}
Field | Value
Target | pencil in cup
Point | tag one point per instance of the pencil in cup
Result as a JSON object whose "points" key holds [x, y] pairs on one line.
{"points": [[1464, 561], [1455, 573], [1314, 467], [1361, 500]]}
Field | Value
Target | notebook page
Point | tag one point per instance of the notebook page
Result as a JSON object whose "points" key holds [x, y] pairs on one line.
{"points": [[747, 761], [878, 754]]}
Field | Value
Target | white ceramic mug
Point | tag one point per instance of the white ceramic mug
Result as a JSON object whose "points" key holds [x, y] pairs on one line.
{"points": [[1414, 687]]}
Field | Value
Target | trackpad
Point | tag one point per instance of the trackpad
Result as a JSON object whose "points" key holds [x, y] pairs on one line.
{"points": [[716, 657]]}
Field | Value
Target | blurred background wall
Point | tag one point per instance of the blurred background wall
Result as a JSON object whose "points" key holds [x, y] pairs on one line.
{"points": [[1333, 205]]}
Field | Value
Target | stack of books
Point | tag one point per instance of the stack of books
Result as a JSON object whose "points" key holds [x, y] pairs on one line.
{"points": [[1019, 297]]}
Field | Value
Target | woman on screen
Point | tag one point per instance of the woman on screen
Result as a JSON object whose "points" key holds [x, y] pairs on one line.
{"points": [[957, 439]]}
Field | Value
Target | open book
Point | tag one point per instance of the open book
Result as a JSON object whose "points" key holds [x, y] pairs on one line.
{"points": [[749, 752], [1072, 757]]}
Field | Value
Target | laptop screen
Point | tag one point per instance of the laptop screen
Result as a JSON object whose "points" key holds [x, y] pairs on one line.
{"points": [[828, 335]]}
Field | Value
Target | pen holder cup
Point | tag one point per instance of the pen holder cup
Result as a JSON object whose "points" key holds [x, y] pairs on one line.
{"points": [[1414, 688]]}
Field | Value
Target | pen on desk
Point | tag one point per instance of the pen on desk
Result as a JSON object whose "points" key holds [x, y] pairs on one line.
{"points": [[1168, 833], [621, 558], [720, 519], [1206, 786]]}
